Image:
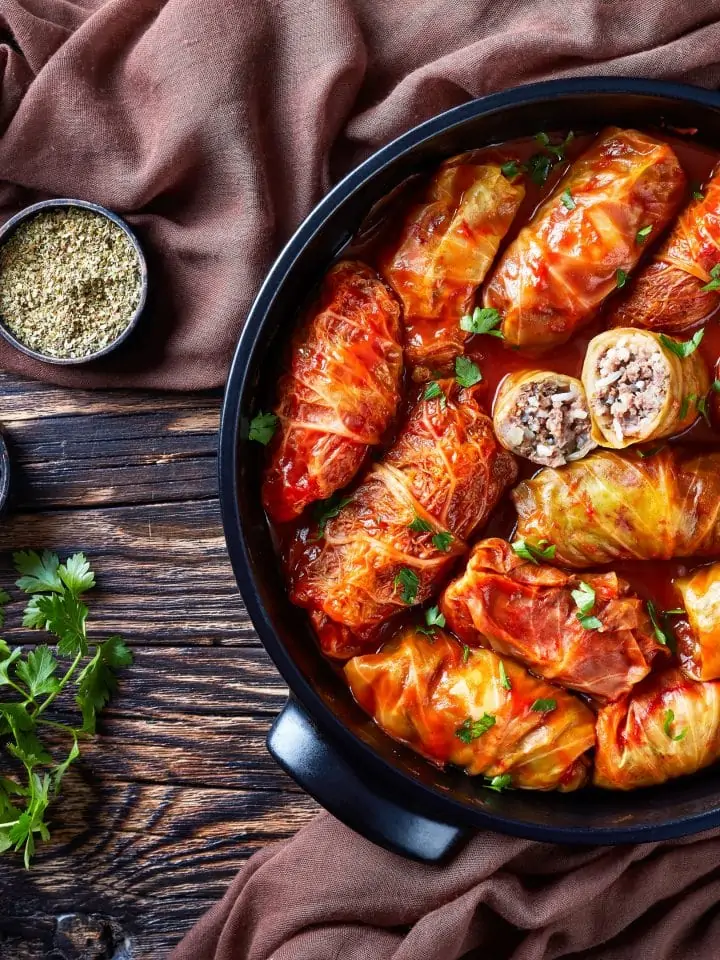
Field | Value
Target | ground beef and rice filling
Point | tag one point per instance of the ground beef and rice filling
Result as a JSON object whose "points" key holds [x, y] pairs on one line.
{"points": [[631, 385], [549, 423]]}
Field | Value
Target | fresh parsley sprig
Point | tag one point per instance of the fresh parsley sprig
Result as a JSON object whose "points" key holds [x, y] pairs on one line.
{"points": [[32, 682]]}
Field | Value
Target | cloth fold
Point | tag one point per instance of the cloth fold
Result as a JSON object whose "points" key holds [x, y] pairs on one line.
{"points": [[328, 894], [214, 127]]}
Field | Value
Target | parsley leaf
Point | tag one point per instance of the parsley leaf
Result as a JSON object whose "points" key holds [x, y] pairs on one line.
{"points": [[567, 201], [504, 678], [37, 672], [714, 283], [544, 705], [539, 166], [697, 192], [660, 634], [584, 597], [76, 574], [620, 278], [466, 653], [408, 582], [668, 722], [263, 427], [534, 552], [419, 525], [470, 729], [98, 682], [467, 373], [681, 348], [432, 390], [715, 386], [327, 510], [510, 170], [482, 320], [433, 620], [40, 573], [642, 235], [590, 623], [499, 783], [443, 541], [702, 409], [65, 616]]}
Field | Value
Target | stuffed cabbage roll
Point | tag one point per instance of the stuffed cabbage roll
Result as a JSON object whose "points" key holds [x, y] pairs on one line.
{"points": [[543, 416], [478, 712], [584, 239], [699, 639], [671, 293], [669, 726], [445, 250], [390, 544], [639, 388], [340, 394], [587, 632]]}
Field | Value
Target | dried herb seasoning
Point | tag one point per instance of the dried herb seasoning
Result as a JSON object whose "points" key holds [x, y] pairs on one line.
{"points": [[69, 282]]}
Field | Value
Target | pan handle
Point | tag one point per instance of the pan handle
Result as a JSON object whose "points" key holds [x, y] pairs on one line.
{"points": [[319, 768]]}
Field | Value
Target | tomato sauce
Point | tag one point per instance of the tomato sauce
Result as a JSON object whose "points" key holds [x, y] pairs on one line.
{"points": [[379, 233]]}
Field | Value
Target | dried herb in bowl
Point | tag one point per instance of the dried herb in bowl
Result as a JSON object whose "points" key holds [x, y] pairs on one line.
{"points": [[70, 282]]}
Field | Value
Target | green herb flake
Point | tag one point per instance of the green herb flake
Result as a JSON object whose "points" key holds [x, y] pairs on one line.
{"points": [[510, 170], [716, 386], [667, 724], [499, 783], [432, 390], [685, 405], [660, 634], [589, 622], [584, 597], [542, 138], [538, 167], [483, 320], [442, 541], [620, 278], [467, 373], [407, 582], [470, 729], [433, 620], [544, 705], [567, 201], [714, 283], [263, 427], [504, 678], [642, 235], [683, 348], [702, 409], [650, 452], [534, 552], [466, 653], [326, 510], [419, 525], [697, 193]]}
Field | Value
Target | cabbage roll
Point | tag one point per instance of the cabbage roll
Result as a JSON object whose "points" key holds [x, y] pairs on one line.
{"points": [[589, 632], [390, 544], [617, 506], [447, 245], [340, 393], [669, 726], [699, 639], [478, 712], [670, 292], [585, 238], [639, 388], [543, 416]]}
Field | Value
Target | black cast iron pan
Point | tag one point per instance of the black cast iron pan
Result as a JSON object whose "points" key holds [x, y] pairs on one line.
{"points": [[321, 738]]}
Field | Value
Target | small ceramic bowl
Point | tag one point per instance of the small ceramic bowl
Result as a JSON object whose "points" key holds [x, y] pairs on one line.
{"points": [[26, 214], [4, 474]]}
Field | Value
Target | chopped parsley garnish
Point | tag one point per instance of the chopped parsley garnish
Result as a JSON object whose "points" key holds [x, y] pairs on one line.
{"points": [[651, 452], [683, 348], [432, 390], [510, 169], [442, 541], [482, 320], [504, 678], [433, 620], [466, 653], [327, 510], [544, 705], [539, 166], [590, 623], [702, 409], [697, 192], [642, 235], [677, 612], [716, 386], [470, 729], [499, 783], [667, 724], [715, 281], [420, 526], [467, 373], [534, 552], [408, 583], [567, 201], [660, 634], [620, 278], [262, 428], [584, 598], [542, 138]]}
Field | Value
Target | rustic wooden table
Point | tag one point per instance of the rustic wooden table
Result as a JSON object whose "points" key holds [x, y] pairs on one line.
{"points": [[178, 789]]}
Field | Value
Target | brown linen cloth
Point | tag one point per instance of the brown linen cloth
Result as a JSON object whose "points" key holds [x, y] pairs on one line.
{"points": [[214, 125], [330, 895]]}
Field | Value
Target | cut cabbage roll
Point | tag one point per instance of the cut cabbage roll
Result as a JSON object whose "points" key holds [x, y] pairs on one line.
{"points": [[445, 250], [543, 416], [340, 394], [639, 388], [585, 238], [669, 293], [589, 632], [617, 506], [669, 726], [699, 639], [388, 547], [478, 712]]}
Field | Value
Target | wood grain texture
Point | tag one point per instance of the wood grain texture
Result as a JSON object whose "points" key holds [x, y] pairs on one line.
{"points": [[178, 790]]}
